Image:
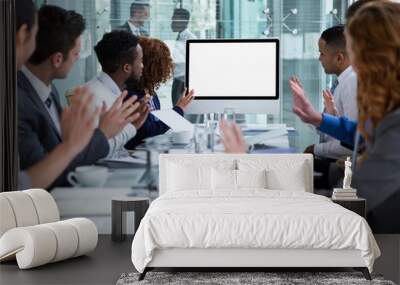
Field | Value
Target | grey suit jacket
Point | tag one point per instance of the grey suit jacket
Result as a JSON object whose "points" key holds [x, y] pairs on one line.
{"points": [[37, 134], [378, 177]]}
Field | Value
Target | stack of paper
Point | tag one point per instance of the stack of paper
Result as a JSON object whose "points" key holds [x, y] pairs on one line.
{"points": [[343, 194], [173, 120]]}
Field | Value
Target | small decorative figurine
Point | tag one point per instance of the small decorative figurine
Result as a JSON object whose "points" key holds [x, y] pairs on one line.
{"points": [[347, 174]]}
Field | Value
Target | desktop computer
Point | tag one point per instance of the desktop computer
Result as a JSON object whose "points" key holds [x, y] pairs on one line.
{"points": [[238, 74]]}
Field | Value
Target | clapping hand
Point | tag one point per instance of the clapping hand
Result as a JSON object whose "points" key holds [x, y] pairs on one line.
{"points": [[143, 110], [119, 115], [185, 99], [78, 120], [232, 137], [302, 106], [310, 149], [329, 103]]}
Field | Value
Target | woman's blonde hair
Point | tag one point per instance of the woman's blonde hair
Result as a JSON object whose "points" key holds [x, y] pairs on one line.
{"points": [[375, 35]]}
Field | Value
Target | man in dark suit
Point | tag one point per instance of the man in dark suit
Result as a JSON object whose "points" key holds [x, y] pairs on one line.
{"points": [[41, 127], [179, 24], [139, 19]]}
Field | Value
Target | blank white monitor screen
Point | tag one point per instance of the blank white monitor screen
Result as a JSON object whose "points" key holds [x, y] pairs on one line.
{"points": [[233, 69]]}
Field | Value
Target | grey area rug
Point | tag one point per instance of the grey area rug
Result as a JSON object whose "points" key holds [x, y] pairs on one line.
{"points": [[225, 278]]}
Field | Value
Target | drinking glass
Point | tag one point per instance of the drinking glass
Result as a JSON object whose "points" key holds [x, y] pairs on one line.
{"points": [[199, 139], [229, 115]]}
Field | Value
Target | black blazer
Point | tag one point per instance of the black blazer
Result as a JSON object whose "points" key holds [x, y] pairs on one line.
{"points": [[152, 126], [126, 27], [37, 134]]}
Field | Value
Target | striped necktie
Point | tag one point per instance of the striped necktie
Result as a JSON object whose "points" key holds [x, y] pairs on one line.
{"points": [[323, 137], [48, 102], [334, 85], [54, 110]]}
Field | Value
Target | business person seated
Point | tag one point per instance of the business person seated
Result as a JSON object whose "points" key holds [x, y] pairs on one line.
{"points": [[43, 126], [121, 58], [77, 120], [340, 100], [179, 24], [341, 128], [373, 52], [139, 17], [157, 70]]}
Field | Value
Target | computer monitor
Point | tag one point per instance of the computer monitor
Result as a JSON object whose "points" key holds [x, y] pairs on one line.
{"points": [[242, 74]]}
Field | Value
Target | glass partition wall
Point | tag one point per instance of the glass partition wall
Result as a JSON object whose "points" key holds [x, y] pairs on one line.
{"points": [[297, 23]]}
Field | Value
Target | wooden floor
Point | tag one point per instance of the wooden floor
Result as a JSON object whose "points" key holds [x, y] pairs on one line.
{"points": [[103, 266], [110, 259]]}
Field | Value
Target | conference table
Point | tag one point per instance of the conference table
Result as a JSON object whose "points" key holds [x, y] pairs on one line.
{"points": [[140, 178]]}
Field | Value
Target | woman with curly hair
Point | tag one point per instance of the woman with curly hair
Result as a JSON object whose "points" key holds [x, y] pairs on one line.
{"points": [[158, 67], [374, 51]]}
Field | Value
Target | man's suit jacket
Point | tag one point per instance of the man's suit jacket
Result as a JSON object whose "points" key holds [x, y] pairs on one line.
{"points": [[152, 126], [126, 27], [38, 135]]}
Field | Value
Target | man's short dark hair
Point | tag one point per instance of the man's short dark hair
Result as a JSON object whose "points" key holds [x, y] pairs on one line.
{"points": [[334, 37], [58, 31], [25, 13], [138, 6], [353, 8], [116, 49], [182, 14]]}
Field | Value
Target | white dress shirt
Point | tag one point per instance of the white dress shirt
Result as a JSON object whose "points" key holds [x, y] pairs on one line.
{"points": [[179, 54], [104, 89], [345, 97], [44, 92]]}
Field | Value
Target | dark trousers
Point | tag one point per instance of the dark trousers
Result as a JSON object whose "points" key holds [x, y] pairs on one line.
{"points": [[178, 85], [322, 166]]}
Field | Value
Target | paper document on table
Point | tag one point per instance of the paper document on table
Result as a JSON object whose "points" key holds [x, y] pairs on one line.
{"points": [[173, 120], [262, 127], [128, 159], [264, 137], [124, 161]]}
